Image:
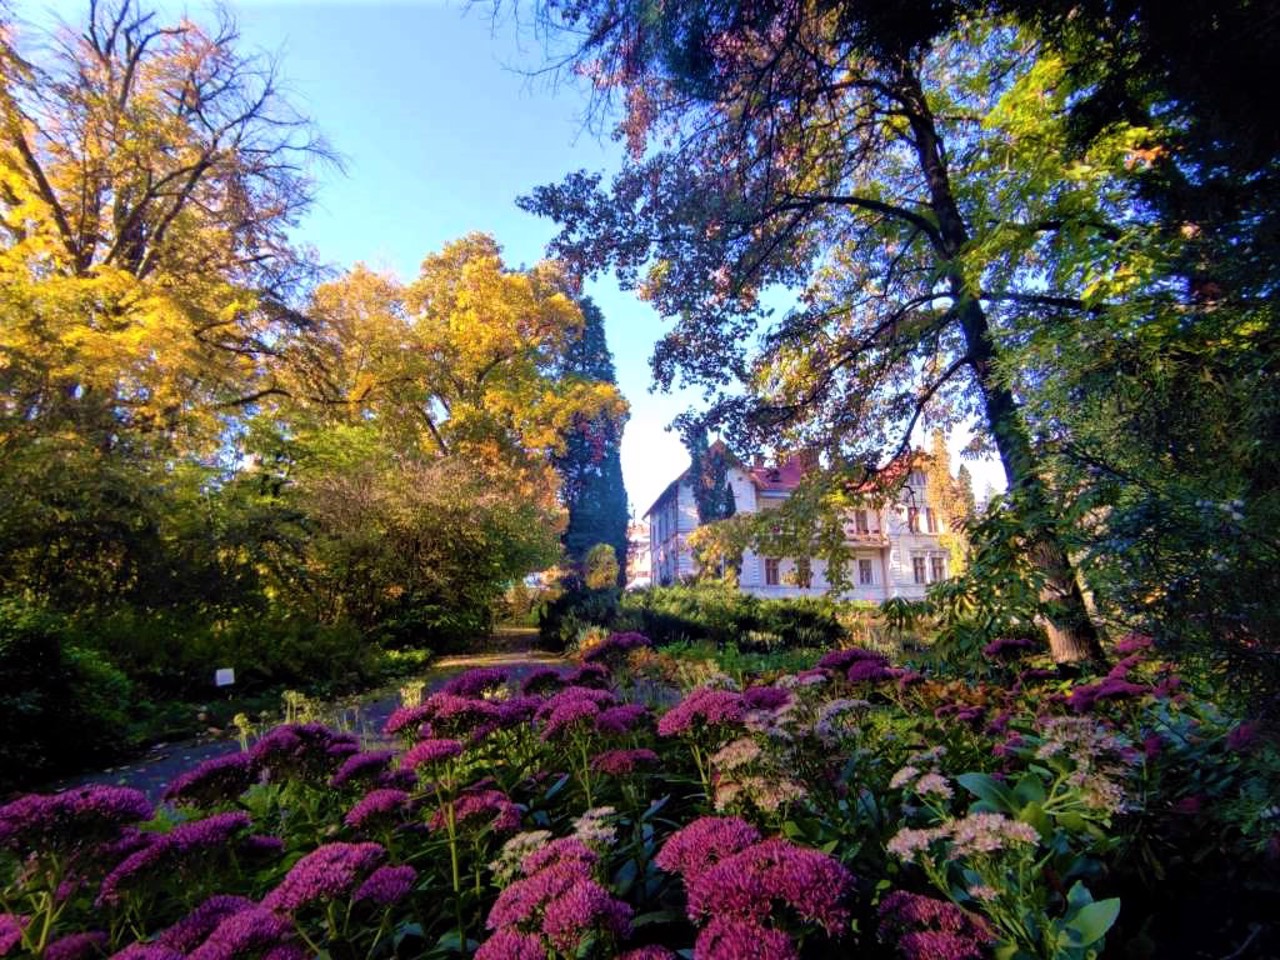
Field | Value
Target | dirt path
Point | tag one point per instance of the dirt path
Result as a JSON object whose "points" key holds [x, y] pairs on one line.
{"points": [[364, 714]]}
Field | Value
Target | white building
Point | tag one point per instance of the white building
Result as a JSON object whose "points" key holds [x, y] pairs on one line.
{"points": [[639, 557], [896, 548]]}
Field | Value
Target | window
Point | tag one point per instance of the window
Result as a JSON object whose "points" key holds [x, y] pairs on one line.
{"points": [[931, 520], [772, 573], [860, 524], [913, 519], [938, 568], [917, 569], [866, 573], [804, 573]]}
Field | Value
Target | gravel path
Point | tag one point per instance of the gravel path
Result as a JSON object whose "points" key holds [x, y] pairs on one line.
{"points": [[364, 715]]}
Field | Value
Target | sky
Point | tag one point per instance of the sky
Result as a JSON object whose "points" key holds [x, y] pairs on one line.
{"points": [[441, 127]]}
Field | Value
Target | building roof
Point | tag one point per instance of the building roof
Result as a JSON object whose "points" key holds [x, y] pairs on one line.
{"points": [[786, 476], [780, 479]]}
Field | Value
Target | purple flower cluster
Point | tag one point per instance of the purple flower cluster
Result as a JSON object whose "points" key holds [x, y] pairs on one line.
{"points": [[148, 951], [428, 753], [326, 873], [1084, 698], [386, 886], [870, 670], [704, 705], [1008, 648], [510, 944], [384, 804], [11, 928], [839, 661], [588, 675], [243, 933], [369, 767], [765, 698], [77, 946], [735, 882], [617, 763], [732, 938], [307, 751], [621, 719], [750, 884], [650, 952], [557, 903], [702, 844], [615, 648], [72, 820], [542, 681], [573, 708], [173, 851], [927, 929], [475, 683], [1132, 643], [490, 809], [961, 713], [193, 929], [450, 715], [407, 718], [216, 781]]}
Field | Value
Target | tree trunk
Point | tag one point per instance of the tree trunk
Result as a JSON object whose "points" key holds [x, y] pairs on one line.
{"points": [[1073, 638]]}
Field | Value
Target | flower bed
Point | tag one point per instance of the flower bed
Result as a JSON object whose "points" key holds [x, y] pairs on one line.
{"points": [[856, 806]]}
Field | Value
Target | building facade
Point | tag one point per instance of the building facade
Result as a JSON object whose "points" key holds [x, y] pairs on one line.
{"points": [[896, 546], [639, 555]]}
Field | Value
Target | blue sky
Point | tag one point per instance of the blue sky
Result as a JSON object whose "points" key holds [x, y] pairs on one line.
{"points": [[441, 128]]}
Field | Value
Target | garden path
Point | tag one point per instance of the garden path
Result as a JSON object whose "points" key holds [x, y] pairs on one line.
{"points": [[363, 714]]}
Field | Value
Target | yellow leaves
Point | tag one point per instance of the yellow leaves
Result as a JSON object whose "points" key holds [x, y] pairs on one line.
{"points": [[464, 362]]}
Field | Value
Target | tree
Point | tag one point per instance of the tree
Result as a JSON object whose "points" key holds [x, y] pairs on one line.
{"points": [[715, 543], [709, 468], [602, 569], [968, 501], [150, 173], [855, 152], [1162, 434], [416, 427], [946, 498], [590, 467], [408, 548]]}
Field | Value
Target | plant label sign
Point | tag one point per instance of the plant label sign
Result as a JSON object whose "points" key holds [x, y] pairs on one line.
{"points": [[224, 677]]}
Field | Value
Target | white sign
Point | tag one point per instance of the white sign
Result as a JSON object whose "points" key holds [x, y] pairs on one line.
{"points": [[224, 677]]}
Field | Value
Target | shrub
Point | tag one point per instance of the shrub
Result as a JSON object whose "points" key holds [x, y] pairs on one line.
{"points": [[721, 615], [58, 701]]}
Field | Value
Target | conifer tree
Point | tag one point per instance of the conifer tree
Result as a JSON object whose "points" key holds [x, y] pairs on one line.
{"points": [[590, 467]]}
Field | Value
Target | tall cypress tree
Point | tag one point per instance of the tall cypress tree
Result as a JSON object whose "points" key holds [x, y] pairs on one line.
{"points": [[591, 467]]}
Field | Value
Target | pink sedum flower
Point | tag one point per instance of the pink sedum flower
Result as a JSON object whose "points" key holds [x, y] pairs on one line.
{"points": [[326, 873], [693, 850], [730, 938]]}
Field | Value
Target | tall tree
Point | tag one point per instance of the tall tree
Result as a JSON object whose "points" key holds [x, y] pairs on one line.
{"points": [[946, 498], [846, 150], [149, 172], [417, 425], [590, 466], [709, 468]]}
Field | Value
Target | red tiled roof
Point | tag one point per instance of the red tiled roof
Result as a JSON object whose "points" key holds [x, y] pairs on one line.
{"points": [[785, 477], [892, 475]]}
